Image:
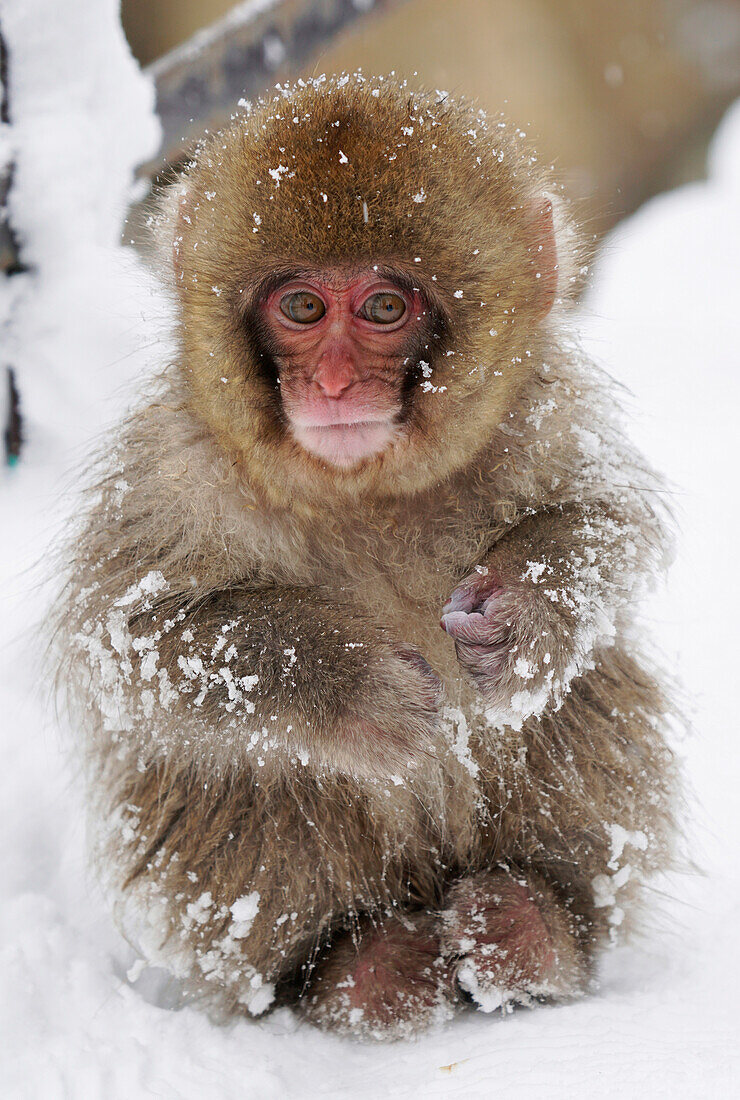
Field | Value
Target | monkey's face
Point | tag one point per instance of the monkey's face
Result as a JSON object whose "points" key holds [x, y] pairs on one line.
{"points": [[363, 276], [344, 348]]}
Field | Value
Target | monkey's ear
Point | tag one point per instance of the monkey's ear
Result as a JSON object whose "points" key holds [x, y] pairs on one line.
{"points": [[543, 253]]}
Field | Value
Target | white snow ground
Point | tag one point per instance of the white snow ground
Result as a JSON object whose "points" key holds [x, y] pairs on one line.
{"points": [[663, 318]]}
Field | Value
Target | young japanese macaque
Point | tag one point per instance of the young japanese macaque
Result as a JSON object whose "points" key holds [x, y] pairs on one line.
{"points": [[349, 621]]}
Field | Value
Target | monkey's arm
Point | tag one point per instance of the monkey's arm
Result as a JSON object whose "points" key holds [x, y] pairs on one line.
{"points": [[545, 597], [245, 669]]}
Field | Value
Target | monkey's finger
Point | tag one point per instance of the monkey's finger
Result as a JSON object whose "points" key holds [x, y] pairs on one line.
{"points": [[490, 605], [464, 598], [470, 628], [474, 594]]}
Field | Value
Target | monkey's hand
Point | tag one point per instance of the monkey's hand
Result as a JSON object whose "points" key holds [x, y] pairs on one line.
{"points": [[274, 672], [389, 728], [530, 618], [490, 625], [472, 618]]}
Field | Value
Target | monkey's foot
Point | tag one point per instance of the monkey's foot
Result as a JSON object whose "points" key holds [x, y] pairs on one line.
{"points": [[389, 985], [510, 942]]}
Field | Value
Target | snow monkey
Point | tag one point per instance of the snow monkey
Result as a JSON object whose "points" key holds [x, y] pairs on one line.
{"points": [[305, 792]]}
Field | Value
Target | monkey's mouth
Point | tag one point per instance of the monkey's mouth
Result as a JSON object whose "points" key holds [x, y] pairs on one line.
{"points": [[348, 443]]}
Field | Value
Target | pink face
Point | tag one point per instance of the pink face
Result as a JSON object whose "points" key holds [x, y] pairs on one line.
{"points": [[343, 350]]}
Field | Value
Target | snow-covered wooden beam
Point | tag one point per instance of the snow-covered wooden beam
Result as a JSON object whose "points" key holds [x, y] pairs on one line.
{"points": [[241, 56]]}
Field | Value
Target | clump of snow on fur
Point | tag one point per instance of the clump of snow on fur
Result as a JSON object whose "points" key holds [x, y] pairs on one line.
{"points": [[621, 837], [457, 732], [605, 887], [244, 910]]}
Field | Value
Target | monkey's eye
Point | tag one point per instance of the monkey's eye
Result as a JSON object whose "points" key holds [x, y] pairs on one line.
{"points": [[383, 308], [302, 306]]}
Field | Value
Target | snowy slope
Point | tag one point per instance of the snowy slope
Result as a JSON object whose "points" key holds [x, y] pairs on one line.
{"points": [[663, 318]]}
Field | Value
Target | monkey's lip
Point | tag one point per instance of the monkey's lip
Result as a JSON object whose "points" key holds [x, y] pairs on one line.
{"points": [[322, 417], [346, 443]]}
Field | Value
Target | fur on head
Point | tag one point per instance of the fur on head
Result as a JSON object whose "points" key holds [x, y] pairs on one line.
{"points": [[332, 174]]}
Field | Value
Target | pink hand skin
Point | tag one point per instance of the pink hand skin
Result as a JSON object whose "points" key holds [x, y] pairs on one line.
{"points": [[481, 627]]}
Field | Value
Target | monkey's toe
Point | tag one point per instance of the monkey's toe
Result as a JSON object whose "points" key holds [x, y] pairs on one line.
{"points": [[389, 985], [510, 942]]}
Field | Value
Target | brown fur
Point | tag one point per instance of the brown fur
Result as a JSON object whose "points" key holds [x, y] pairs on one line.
{"points": [[254, 651]]}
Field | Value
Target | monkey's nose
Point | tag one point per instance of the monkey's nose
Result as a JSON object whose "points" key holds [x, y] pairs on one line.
{"points": [[334, 379]]}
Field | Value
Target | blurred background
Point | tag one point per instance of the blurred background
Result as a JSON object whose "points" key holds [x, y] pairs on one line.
{"points": [[622, 96]]}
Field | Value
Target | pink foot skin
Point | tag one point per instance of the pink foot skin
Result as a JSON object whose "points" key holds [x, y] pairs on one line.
{"points": [[390, 985], [500, 941], [510, 943]]}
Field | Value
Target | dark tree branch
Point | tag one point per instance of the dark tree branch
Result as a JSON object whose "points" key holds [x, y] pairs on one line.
{"points": [[10, 264], [13, 434], [9, 251]]}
